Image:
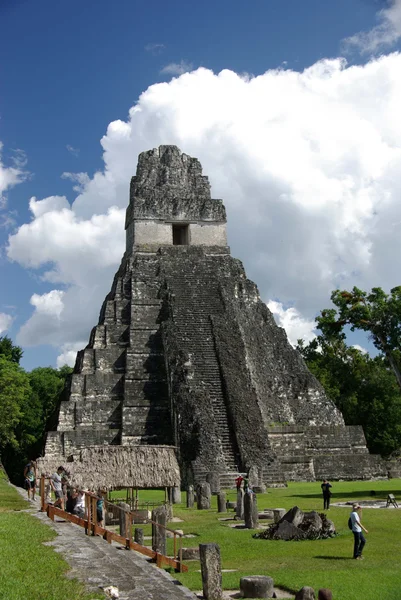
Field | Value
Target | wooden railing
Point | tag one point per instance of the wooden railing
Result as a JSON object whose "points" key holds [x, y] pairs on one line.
{"points": [[89, 523]]}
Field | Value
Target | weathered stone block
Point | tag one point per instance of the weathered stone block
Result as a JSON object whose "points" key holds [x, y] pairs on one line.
{"points": [[211, 571], [278, 514], [190, 554], [138, 535], [159, 518], [190, 496], [203, 495], [251, 511], [256, 586], [305, 593], [221, 502], [239, 507], [294, 516]]}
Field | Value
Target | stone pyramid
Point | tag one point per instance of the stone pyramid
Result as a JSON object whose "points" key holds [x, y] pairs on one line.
{"points": [[186, 354]]}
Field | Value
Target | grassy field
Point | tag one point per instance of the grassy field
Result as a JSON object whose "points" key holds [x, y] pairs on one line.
{"points": [[28, 569], [323, 563]]}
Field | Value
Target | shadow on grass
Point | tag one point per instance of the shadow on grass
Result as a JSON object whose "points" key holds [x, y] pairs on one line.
{"points": [[351, 495], [334, 557]]}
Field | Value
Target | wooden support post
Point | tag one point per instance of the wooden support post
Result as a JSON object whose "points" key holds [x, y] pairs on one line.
{"points": [[88, 513], [42, 493], [128, 530], [180, 554], [94, 515], [175, 545]]}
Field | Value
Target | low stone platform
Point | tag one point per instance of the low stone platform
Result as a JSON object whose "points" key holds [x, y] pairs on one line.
{"points": [[99, 564]]}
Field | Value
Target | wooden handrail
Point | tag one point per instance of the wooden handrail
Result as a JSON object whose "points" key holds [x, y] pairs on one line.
{"points": [[91, 527]]}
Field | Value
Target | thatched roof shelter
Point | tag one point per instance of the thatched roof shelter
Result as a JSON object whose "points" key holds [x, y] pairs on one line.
{"points": [[118, 466]]}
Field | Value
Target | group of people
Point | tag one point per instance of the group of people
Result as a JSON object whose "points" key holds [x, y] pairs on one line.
{"points": [[243, 482], [72, 499]]}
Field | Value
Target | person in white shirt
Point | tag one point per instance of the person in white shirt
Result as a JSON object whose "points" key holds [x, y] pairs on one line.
{"points": [[359, 538], [79, 508]]}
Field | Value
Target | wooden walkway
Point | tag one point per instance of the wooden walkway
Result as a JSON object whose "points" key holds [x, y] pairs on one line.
{"points": [[99, 564]]}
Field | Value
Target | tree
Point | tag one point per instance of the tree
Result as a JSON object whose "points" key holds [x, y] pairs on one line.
{"points": [[363, 388], [376, 312], [35, 408], [9, 351], [14, 392]]}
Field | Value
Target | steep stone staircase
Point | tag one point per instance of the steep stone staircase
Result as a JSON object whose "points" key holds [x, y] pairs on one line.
{"points": [[195, 287]]}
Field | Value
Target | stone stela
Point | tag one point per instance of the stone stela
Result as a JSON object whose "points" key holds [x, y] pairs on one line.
{"points": [[186, 354]]}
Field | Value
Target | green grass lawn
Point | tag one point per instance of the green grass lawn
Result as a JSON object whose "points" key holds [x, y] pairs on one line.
{"points": [[28, 569], [323, 563]]}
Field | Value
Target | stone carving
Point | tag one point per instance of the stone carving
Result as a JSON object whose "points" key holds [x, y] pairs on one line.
{"points": [[186, 353]]}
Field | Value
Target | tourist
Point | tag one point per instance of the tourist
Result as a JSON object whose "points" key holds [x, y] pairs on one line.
{"points": [[326, 494], [238, 482], [79, 508], [359, 539], [100, 507], [72, 496], [57, 487], [246, 484], [30, 479]]}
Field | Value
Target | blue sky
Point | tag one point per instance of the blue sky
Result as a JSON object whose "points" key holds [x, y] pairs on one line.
{"points": [[69, 69]]}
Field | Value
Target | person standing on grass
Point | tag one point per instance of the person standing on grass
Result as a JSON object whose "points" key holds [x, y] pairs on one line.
{"points": [[359, 538], [326, 494], [30, 479], [57, 487]]}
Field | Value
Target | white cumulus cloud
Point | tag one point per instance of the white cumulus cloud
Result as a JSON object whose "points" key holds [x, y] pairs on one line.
{"points": [[295, 325], [68, 353], [308, 166], [11, 176], [5, 322], [386, 33]]}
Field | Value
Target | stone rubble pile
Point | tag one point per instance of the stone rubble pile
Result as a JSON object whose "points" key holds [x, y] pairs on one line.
{"points": [[297, 525]]}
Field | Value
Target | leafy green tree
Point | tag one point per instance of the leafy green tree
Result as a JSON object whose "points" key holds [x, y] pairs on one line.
{"points": [[377, 313], [363, 388], [9, 351], [14, 392], [45, 386]]}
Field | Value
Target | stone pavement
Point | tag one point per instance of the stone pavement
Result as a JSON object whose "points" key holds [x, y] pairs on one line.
{"points": [[99, 564]]}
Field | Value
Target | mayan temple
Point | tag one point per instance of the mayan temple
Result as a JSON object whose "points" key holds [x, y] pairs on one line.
{"points": [[186, 358]]}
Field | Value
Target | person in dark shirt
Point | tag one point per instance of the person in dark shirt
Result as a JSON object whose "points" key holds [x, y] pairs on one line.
{"points": [[326, 494], [71, 500]]}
